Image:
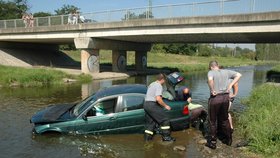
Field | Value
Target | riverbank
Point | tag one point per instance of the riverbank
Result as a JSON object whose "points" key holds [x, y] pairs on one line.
{"points": [[30, 77], [259, 123], [257, 130]]}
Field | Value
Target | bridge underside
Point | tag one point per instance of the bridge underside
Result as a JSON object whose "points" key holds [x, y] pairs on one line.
{"points": [[268, 37], [204, 38]]}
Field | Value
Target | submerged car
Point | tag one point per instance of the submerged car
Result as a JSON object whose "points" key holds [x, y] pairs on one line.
{"points": [[113, 110]]}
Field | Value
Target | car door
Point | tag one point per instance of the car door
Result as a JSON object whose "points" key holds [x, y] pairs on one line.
{"points": [[131, 115], [99, 118]]}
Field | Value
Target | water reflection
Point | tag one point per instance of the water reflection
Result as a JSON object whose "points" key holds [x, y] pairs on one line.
{"points": [[19, 104]]}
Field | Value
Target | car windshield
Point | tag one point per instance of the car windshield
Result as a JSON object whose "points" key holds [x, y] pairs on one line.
{"points": [[80, 107]]}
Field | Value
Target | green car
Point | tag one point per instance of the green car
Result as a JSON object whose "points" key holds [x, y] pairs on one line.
{"points": [[113, 110]]}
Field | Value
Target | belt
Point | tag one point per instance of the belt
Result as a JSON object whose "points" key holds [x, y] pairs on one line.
{"points": [[219, 94], [151, 101], [225, 93]]}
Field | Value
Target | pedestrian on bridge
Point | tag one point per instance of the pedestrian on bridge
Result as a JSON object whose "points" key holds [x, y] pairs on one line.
{"points": [[31, 20], [24, 18], [70, 18]]}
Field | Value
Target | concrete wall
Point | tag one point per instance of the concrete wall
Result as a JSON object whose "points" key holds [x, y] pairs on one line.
{"points": [[27, 55]]}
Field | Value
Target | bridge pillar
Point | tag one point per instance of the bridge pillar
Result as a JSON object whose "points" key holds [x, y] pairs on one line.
{"points": [[119, 60], [141, 60], [119, 52], [90, 60]]}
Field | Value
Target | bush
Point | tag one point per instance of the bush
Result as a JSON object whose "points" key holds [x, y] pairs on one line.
{"points": [[35, 77]]}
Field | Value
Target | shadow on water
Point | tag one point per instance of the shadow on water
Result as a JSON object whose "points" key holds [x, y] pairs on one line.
{"points": [[19, 104]]}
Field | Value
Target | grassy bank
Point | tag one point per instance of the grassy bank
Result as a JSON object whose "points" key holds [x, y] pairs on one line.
{"points": [[26, 77], [259, 123], [181, 62]]}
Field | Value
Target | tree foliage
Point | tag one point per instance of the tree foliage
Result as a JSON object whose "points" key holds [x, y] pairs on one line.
{"points": [[66, 9], [202, 50], [12, 9], [41, 14], [131, 15], [268, 51]]}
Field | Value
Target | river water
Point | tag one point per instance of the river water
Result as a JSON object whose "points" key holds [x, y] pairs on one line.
{"points": [[17, 105]]}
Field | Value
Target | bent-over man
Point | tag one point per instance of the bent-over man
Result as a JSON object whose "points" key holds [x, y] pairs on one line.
{"points": [[154, 111]]}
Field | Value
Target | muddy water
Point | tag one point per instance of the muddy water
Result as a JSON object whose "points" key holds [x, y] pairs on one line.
{"points": [[17, 105]]}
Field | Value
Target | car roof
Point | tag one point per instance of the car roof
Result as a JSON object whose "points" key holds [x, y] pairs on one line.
{"points": [[120, 89]]}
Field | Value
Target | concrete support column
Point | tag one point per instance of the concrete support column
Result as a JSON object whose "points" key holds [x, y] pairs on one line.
{"points": [[90, 61], [141, 60], [119, 60]]}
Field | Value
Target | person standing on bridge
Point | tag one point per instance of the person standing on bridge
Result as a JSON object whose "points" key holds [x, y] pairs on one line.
{"points": [[218, 103], [154, 111], [75, 18], [31, 20], [70, 18], [24, 18]]}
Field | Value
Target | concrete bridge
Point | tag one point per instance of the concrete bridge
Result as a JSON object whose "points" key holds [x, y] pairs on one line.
{"points": [[138, 35]]}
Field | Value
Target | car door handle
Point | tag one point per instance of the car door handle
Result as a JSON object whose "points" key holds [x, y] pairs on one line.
{"points": [[112, 118]]}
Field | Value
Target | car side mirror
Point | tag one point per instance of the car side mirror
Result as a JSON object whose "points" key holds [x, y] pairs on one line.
{"points": [[84, 117]]}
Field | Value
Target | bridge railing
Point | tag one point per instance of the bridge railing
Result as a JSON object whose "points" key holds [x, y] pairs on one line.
{"points": [[207, 8]]}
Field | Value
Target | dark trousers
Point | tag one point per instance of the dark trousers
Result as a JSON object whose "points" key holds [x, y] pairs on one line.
{"points": [[155, 115], [218, 116]]}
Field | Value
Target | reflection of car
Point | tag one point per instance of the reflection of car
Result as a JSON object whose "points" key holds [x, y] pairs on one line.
{"points": [[118, 109]]}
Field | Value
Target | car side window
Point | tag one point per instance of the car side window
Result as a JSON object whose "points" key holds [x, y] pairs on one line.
{"points": [[132, 103], [103, 107]]}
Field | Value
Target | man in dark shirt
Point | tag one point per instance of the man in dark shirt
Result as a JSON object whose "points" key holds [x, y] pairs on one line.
{"points": [[197, 111], [184, 93]]}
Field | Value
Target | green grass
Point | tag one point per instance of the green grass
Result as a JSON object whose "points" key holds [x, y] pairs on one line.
{"points": [[27, 77], [181, 62], [260, 122]]}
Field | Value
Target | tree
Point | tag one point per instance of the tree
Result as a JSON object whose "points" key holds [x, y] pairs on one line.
{"points": [[66, 9], [268, 51], [146, 15], [131, 15], [13, 9], [41, 14]]}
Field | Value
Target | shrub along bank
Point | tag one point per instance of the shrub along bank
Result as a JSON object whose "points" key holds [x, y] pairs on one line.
{"points": [[26, 77], [274, 70], [259, 123]]}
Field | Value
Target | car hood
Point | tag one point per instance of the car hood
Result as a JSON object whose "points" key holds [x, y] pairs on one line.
{"points": [[51, 113]]}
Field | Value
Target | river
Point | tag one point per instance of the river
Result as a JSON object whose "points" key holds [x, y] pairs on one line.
{"points": [[17, 105]]}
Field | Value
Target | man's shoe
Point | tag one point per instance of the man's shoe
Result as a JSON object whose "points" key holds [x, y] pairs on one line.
{"points": [[211, 144], [227, 141], [168, 138]]}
